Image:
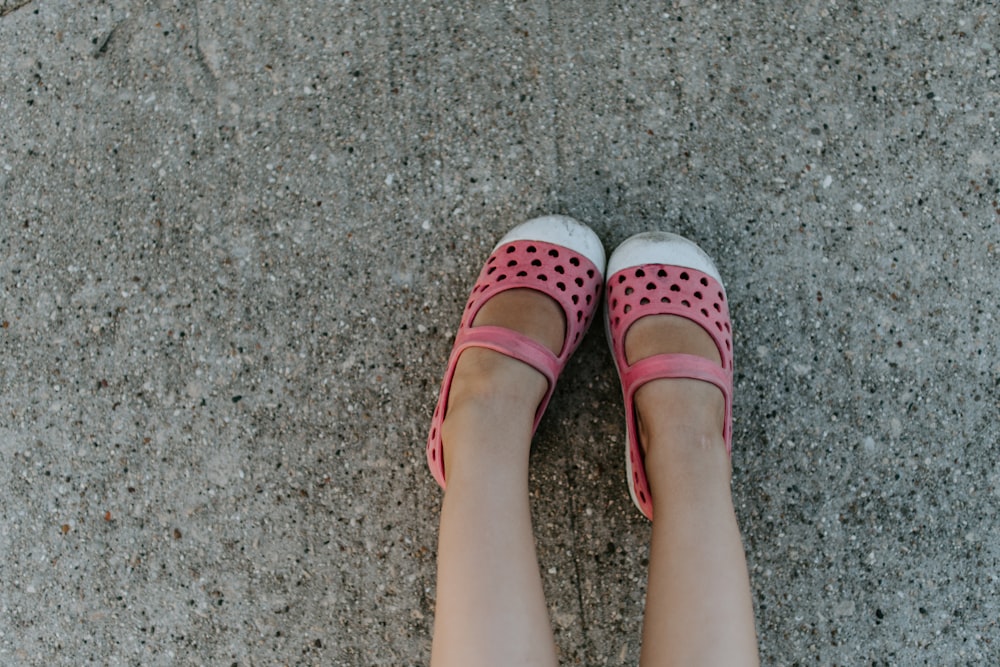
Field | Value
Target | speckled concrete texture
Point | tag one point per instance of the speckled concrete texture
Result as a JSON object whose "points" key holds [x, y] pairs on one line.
{"points": [[237, 237]]}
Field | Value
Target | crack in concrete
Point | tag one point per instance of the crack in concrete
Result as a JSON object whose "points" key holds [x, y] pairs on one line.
{"points": [[202, 58], [9, 6], [105, 44], [556, 166], [584, 625]]}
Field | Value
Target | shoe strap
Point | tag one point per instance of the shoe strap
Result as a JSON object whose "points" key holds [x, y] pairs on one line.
{"points": [[516, 346], [681, 366]]}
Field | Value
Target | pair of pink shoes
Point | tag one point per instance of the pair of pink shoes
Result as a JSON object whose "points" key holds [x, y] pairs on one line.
{"points": [[656, 273]]}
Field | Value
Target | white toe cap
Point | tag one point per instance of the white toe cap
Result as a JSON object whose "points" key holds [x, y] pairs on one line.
{"points": [[661, 248], [560, 230]]}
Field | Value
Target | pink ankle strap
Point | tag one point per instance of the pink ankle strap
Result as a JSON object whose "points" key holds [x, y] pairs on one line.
{"points": [[687, 366], [517, 346]]}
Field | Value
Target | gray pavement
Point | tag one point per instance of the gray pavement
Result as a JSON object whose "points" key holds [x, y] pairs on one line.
{"points": [[237, 236]]}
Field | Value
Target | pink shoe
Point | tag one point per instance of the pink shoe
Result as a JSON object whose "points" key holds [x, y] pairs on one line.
{"points": [[555, 255], [658, 273]]}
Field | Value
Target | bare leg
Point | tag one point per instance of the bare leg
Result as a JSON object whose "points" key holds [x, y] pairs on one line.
{"points": [[490, 605], [698, 605]]}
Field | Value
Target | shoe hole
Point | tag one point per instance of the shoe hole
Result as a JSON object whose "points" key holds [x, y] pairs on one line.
{"points": [[614, 303], [522, 274], [717, 307], [579, 315], [729, 346], [628, 291], [560, 269], [618, 321], [662, 273], [628, 309], [704, 281], [697, 295], [511, 249], [579, 282], [492, 259], [704, 312], [588, 299], [727, 327], [501, 277], [590, 273], [512, 262], [561, 286], [665, 300], [642, 496], [576, 337], [574, 261], [536, 262], [491, 270], [531, 248], [553, 253], [718, 325], [685, 302], [621, 279], [643, 301], [722, 297], [675, 288], [576, 299], [650, 286], [434, 454], [685, 276], [639, 273], [543, 277]]}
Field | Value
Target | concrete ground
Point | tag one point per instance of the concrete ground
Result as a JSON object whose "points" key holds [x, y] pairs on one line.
{"points": [[237, 237]]}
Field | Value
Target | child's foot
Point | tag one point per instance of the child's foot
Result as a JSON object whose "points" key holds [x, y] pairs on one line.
{"points": [[533, 301], [670, 334]]}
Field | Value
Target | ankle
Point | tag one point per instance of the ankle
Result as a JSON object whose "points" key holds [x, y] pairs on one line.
{"points": [[486, 439], [686, 447], [491, 395], [681, 432], [688, 468], [679, 411], [492, 382]]}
